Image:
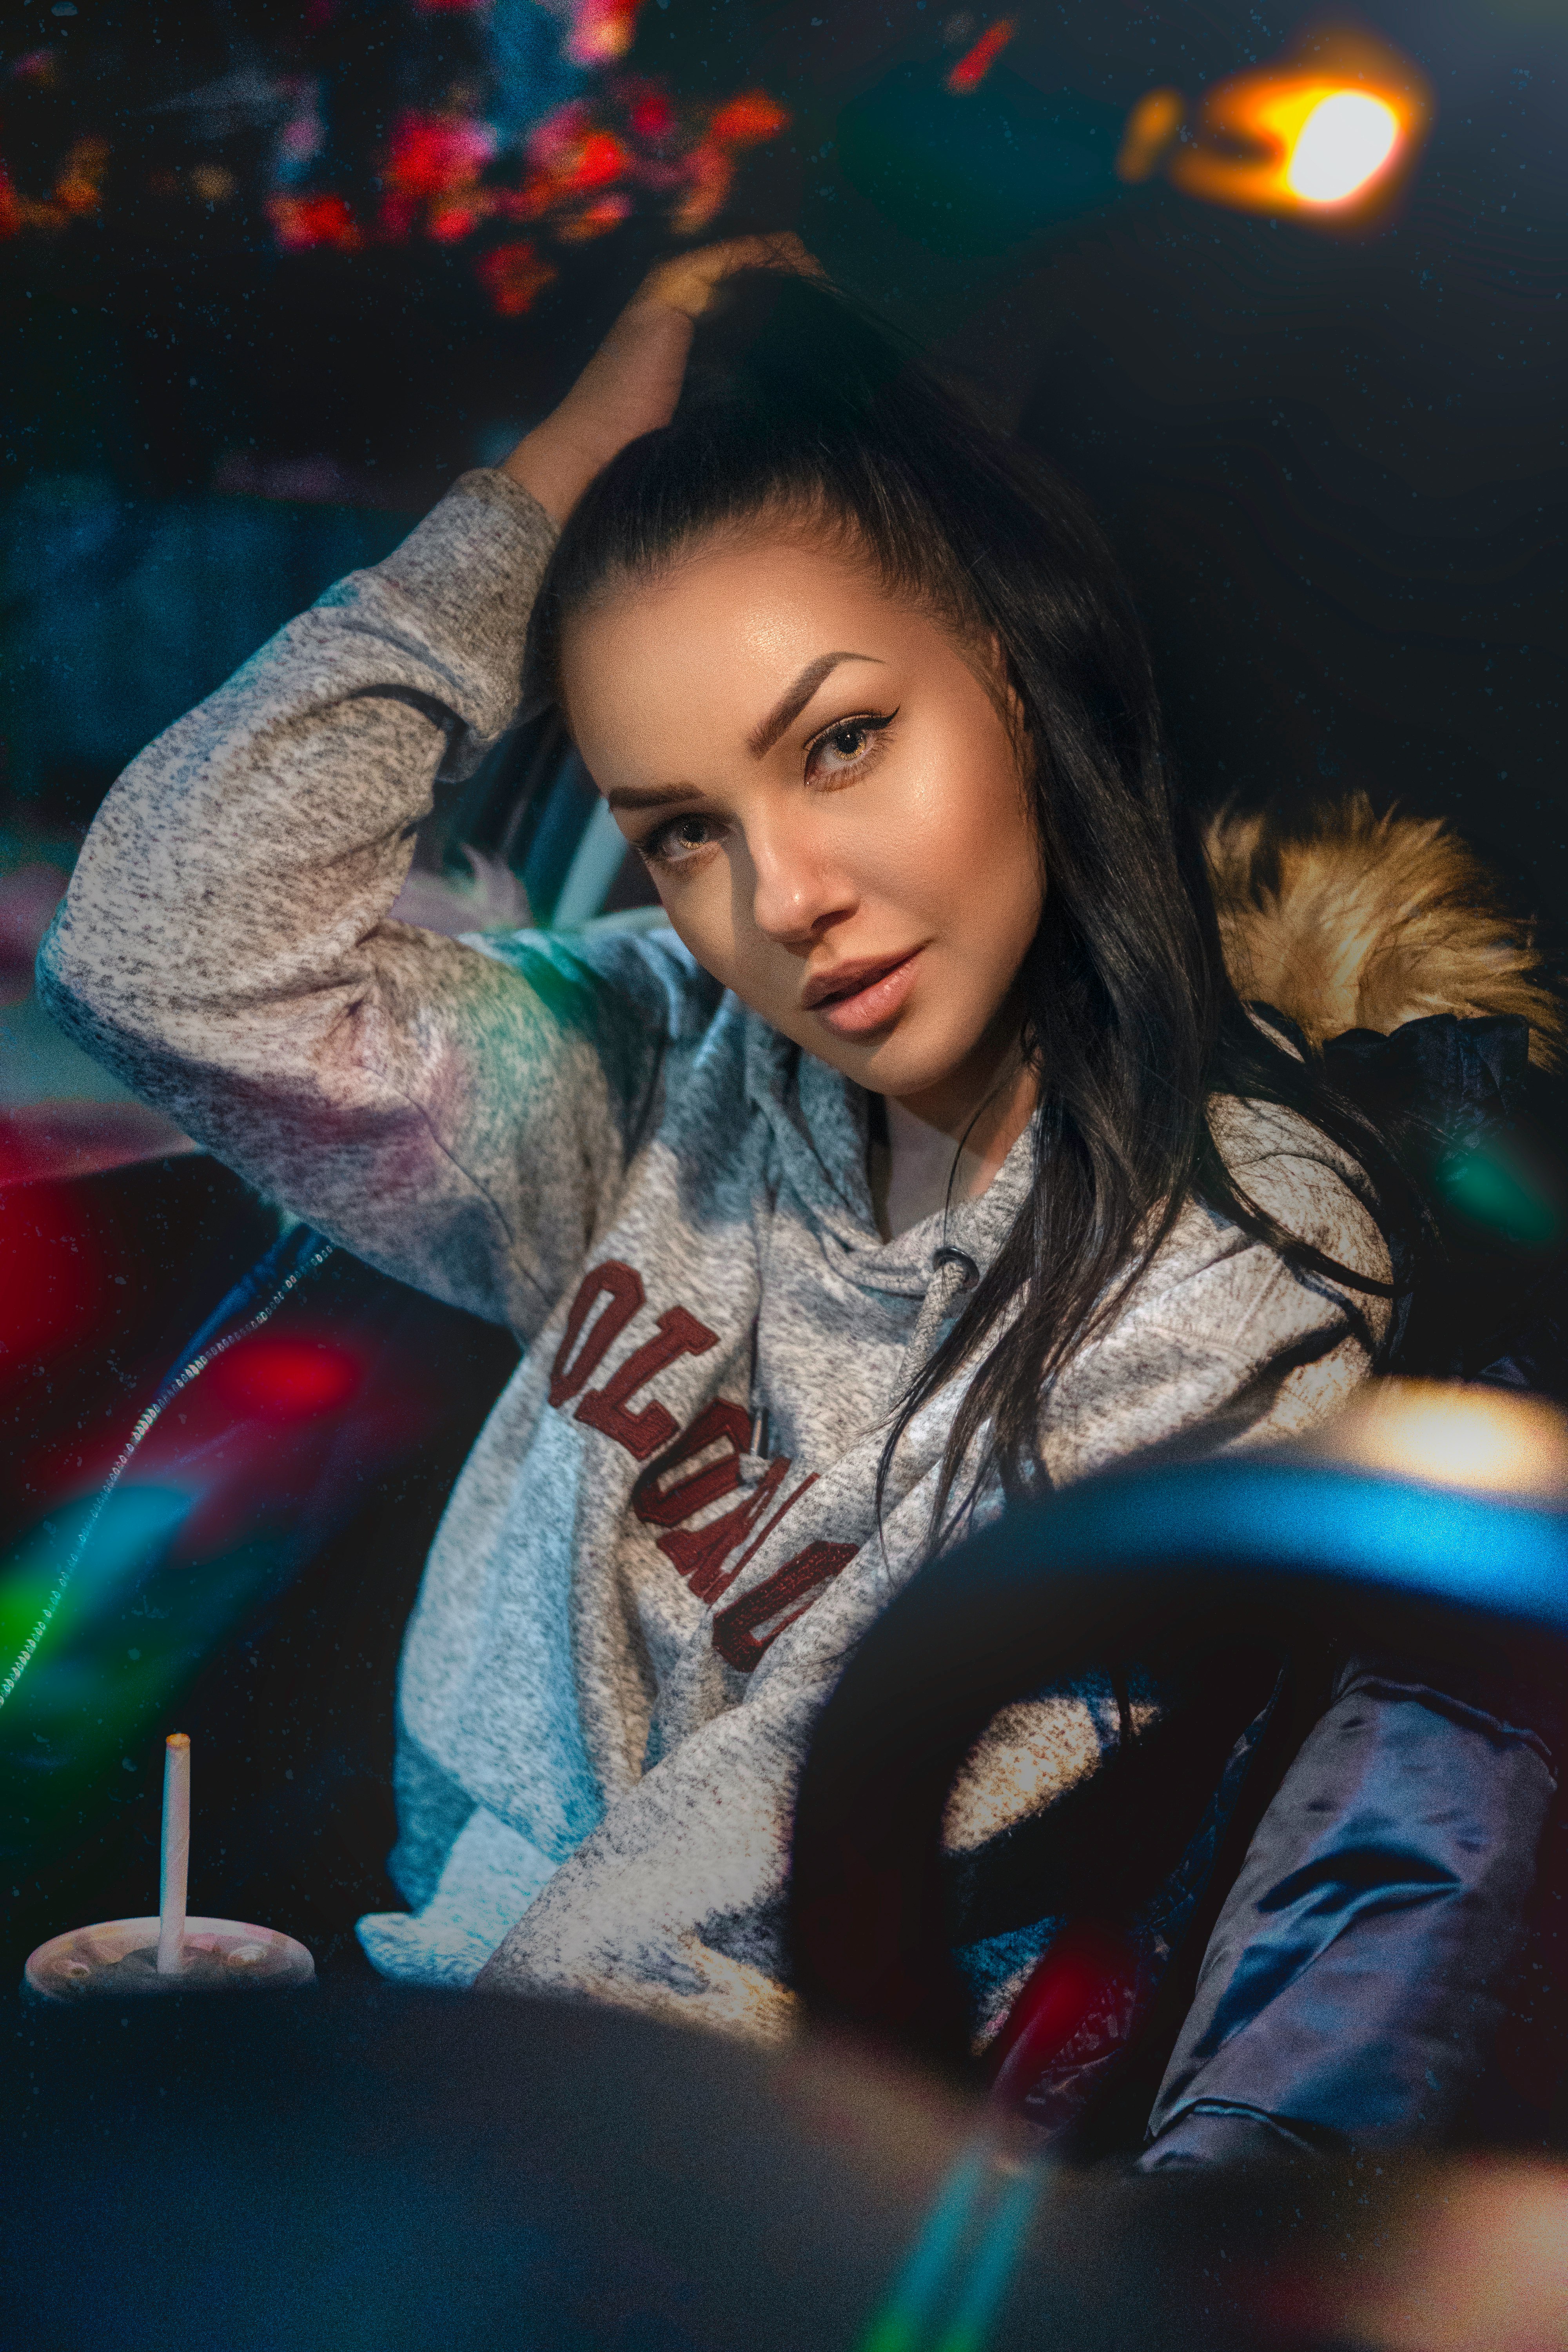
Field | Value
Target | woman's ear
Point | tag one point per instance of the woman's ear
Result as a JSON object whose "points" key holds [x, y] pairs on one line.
{"points": [[987, 661], [998, 678]]}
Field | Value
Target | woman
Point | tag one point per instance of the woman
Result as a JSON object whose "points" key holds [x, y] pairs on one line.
{"points": [[927, 1156]]}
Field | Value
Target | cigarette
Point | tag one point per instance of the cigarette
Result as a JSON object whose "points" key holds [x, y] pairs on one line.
{"points": [[176, 1853]]}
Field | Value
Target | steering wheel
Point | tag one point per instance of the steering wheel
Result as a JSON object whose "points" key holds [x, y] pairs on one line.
{"points": [[1428, 1520]]}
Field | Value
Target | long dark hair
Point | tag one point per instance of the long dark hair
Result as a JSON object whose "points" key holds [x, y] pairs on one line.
{"points": [[796, 403]]}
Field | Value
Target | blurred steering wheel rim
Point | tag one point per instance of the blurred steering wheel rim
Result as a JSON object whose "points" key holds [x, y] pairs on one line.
{"points": [[1279, 1547]]}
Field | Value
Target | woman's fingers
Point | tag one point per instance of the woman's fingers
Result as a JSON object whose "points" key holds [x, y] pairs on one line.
{"points": [[631, 384], [687, 281]]}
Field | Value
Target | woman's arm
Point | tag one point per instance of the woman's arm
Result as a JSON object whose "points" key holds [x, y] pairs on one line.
{"points": [[224, 945]]}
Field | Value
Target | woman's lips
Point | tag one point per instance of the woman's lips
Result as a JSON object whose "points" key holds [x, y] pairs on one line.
{"points": [[869, 1002]]}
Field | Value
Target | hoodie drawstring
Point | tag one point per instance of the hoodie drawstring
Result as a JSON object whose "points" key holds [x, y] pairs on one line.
{"points": [[953, 1272]]}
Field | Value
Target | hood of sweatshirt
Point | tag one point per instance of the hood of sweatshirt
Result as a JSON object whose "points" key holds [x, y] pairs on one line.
{"points": [[817, 1119]]}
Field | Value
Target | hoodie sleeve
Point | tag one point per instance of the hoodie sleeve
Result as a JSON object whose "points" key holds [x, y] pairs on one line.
{"points": [[671, 1906], [1351, 1988], [225, 946]]}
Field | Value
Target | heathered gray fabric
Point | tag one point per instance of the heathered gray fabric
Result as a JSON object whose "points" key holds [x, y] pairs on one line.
{"points": [[595, 1757]]}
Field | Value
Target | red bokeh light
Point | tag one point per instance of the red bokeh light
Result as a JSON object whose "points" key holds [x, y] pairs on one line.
{"points": [[594, 220], [435, 154], [300, 223], [974, 64], [449, 223], [747, 121], [572, 155], [447, 174], [52, 1274], [550, 140], [278, 1377], [512, 276], [652, 116]]}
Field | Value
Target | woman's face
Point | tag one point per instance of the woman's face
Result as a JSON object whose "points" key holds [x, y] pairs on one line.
{"points": [[829, 802]]}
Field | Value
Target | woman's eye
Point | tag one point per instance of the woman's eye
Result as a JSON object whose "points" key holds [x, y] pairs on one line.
{"points": [[845, 746], [673, 844], [845, 743]]}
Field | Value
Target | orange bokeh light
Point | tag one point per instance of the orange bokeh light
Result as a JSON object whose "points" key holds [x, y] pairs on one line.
{"points": [[747, 121], [601, 31], [1329, 132]]}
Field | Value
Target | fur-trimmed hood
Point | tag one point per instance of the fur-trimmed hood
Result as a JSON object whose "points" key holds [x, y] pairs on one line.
{"points": [[1367, 922]]}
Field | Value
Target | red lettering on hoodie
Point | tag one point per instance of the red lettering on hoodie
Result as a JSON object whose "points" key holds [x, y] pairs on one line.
{"points": [[643, 1431], [698, 1553], [745, 1628], [658, 1505], [622, 1285]]}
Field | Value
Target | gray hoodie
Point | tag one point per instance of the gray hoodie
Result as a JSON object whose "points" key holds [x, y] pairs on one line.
{"points": [[667, 1536]]}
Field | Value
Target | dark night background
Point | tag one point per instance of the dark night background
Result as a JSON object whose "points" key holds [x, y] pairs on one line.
{"points": [[1333, 466]]}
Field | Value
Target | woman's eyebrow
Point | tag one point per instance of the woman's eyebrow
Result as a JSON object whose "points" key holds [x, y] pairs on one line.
{"points": [[648, 796], [789, 706], [793, 701]]}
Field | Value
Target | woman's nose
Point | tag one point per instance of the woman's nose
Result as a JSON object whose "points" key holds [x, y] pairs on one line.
{"points": [[795, 889]]}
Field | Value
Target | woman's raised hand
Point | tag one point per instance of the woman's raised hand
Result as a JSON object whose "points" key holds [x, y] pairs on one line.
{"points": [[633, 381]]}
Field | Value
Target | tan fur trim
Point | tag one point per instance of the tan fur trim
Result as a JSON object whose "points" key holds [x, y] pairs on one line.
{"points": [[1369, 922]]}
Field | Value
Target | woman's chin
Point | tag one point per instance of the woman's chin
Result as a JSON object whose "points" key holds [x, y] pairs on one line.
{"points": [[894, 1062]]}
